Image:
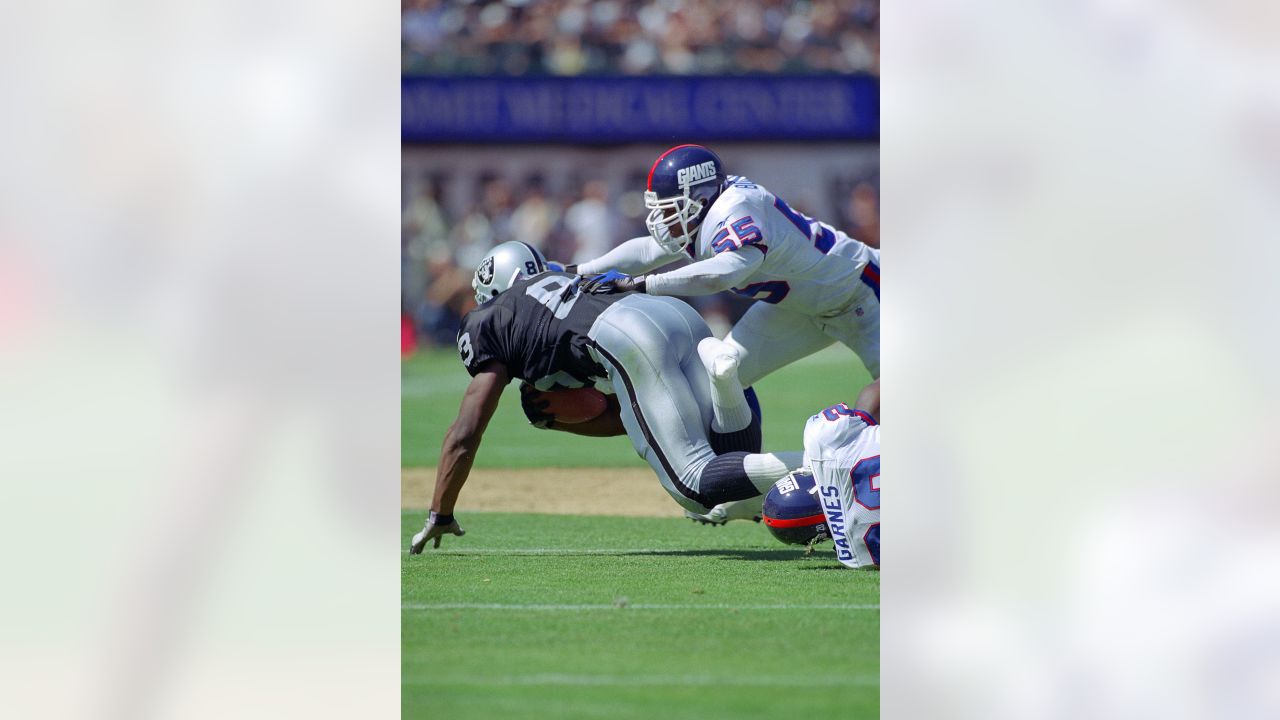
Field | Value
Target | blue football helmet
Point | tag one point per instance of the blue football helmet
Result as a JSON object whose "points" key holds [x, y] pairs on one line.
{"points": [[792, 511], [683, 183]]}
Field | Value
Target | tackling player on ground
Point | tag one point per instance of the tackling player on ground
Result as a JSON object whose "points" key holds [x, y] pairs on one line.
{"points": [[815, 285]]}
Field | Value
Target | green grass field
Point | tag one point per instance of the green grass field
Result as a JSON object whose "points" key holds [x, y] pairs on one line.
{"points": [[558, 616], [547, 616]]}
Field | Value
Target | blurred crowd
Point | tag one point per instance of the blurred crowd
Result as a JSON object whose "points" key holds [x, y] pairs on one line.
{"points": [[450, 222], [631, 37]]}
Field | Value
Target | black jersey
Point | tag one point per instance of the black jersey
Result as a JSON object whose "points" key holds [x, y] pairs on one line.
{"points": [[538, 329]]}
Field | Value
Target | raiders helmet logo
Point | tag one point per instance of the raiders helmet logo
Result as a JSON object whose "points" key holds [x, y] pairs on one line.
{"points": [[484, 273]]}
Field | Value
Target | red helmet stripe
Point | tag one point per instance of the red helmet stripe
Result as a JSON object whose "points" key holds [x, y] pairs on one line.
{"points": [[649, 183], [794, 522]]}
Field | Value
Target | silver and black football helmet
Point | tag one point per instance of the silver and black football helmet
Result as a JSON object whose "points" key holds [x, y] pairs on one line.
{"points": [[505, 264]]}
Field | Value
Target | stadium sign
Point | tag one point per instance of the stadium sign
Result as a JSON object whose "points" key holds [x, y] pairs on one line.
{"points": [[621, 109]]}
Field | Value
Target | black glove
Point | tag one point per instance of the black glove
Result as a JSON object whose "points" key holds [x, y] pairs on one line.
{"points": [[612, 282], [436, 526], [535, 407]]}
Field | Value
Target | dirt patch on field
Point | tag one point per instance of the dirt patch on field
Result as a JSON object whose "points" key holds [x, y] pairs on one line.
{"points": [[572, 491]]}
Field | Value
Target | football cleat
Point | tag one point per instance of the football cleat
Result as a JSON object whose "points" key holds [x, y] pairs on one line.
{"points": [[748, 509]]}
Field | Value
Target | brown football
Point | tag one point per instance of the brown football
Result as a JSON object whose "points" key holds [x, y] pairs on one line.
{"points": [[576, 405]]}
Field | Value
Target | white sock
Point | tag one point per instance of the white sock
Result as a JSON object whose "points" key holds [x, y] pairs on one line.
{"points": [[765, 469], [730, 411]]}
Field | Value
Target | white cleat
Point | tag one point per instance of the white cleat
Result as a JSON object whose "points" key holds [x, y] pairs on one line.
{"points": [[749, 509]]}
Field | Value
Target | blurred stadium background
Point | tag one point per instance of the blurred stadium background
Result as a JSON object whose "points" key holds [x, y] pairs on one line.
{"points": [[538, 121]]}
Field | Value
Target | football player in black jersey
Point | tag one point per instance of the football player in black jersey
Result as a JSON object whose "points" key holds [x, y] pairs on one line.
{"points": [[694, 428]]}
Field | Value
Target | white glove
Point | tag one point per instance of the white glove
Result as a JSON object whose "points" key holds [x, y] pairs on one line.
{"points": [[436, 526]]}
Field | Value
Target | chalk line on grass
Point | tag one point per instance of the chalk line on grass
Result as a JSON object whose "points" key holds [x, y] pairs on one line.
{"points": [[634, 606], [738, 680]]}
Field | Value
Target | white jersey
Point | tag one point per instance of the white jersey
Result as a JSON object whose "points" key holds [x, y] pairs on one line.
{"points": [[842, 449], [809, 267]]}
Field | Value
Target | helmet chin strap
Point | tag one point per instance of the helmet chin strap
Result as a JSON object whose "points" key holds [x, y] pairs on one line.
{"points": [[511, 281]]}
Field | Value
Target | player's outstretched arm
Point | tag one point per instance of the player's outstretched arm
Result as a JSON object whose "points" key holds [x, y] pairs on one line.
{"points": [[462, 440], [710, 276], [461, 443], [705, 277], [636, 255]]}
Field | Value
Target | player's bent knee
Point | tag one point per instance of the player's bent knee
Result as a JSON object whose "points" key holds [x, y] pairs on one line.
{"points": [[725, 479]]}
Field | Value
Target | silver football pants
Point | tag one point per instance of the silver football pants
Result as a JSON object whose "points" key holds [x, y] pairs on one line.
{"points": [[649, 346]]}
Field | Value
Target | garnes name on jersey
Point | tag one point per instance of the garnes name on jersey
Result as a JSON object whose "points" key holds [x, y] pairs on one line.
{"points": [[842, 448], [538, 330]]}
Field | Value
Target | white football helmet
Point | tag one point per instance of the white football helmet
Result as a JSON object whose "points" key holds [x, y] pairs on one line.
{"points": [[505, 264]]}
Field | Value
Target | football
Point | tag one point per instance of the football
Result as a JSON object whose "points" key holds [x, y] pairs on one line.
{"points": [[575, 405]]}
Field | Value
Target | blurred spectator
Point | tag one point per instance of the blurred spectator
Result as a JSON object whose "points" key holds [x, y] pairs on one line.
{"points": [[472, 237], [864, 212], [447, 298], [498, 205], [590, 222], [423, 216], [422, 223], [536, 216], [683, 37]]}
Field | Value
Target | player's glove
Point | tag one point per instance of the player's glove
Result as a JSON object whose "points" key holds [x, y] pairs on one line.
{"points": [[437, 525], [612, 282], [536, 407]]}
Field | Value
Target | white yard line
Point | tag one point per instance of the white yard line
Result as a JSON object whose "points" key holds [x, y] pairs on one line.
{"points": [[633, 606], [737, 680]]}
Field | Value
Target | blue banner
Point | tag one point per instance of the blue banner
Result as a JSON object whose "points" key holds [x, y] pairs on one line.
{"points": [[624, 109]]}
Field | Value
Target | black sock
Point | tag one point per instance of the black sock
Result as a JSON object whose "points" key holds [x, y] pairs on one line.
{"points": [[748, 439], [725, 479]]}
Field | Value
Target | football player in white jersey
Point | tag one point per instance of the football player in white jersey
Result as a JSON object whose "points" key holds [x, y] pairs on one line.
{"points": [[842, 450], [815, 285]]}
